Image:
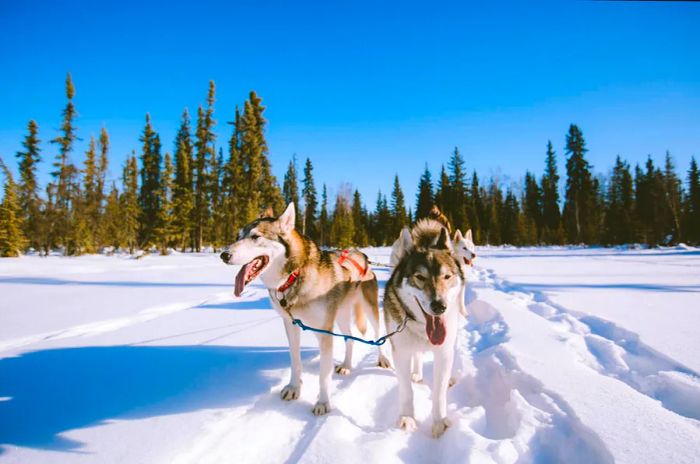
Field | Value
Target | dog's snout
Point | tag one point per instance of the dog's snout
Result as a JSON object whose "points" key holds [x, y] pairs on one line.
{"points": [[438, 307], [225, 256]]}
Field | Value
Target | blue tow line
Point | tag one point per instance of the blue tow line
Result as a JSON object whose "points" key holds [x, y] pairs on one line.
{"points": [[378, 342]]}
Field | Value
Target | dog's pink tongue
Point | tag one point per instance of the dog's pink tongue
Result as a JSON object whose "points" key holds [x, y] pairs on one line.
{"points": [[240, 280], [435, 328]]}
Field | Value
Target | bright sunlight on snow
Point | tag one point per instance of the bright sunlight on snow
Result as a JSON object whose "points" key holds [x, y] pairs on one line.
{"points": [[567, 355]]}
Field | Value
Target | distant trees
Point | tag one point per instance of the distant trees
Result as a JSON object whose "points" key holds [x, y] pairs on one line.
{"points": [[200, 197], [28, 188], [12, 240]]}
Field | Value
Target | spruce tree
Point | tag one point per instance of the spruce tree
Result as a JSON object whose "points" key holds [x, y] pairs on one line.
{"points": [[457, 194], [62, 191], [580, 213], [398, 209], [268, 186], [510, 220], [102, 166], [90, 203], [12, 240], [551, 216], [204, 154], [112, 220], [342, 229], [232, 184], [163, 233], [619, 224], [443, 194], [215, 227], [183, 192], [290, 190], [476, 218], [28, 188], [251, 156], [532, 207], [692, 204], [129, 204], [651, 206], [359, 220], [492, 224], [149, 197], [323, 219], [310, 202], [673, 197], [424, 197]]}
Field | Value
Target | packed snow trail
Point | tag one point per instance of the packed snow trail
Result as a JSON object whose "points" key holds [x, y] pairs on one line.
{"points": [[197, 379]]}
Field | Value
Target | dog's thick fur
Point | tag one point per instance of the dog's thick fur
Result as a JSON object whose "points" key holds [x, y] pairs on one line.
{"points": [[424, 286], [325, 292]]}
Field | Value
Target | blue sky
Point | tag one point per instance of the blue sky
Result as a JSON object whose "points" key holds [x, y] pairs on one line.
{"points": [[366, 90]]}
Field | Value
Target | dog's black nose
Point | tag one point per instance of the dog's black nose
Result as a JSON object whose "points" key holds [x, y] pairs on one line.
{"points": [[225, 256], [438, 307]]}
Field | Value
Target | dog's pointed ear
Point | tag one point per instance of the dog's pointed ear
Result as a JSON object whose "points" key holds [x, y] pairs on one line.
{"points": [[268, 213], [458, 236], [443, 241], [287, 218], [405, 241], [469, 235]]}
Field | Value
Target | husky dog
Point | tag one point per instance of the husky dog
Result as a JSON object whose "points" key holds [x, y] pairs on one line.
{"points": [[423, 291], [318, 287], [465, 250]]}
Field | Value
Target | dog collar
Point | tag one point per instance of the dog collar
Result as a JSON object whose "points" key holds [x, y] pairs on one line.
{"points": [[290, 281]]}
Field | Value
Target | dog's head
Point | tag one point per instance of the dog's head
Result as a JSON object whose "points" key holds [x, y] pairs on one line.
{"points": [[259, 243], [464, 247], [432, 276]]}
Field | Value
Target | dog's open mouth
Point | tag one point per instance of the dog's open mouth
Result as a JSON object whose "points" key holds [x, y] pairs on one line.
{"points": [[468, 261], [249, 272], [434, 327]]}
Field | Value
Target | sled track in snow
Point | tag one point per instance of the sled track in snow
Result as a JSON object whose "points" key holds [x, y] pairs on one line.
{"points": [[617, 352]]}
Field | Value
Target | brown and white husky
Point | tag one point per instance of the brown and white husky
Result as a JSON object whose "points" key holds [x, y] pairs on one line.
{"points": [[321, 288]]}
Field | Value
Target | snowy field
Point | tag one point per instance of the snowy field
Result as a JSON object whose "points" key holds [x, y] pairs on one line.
{"points": [[568, 355]]}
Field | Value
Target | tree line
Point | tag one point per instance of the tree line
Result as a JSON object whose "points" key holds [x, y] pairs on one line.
{"points": [[198, 197]]}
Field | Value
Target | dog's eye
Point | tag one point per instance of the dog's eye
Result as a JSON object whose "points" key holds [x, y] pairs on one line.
{"points": [[448, 276], [419, 277], [254, 236]]}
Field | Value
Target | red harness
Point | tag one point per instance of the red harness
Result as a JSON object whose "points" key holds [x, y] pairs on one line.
{"points": [[345, 255]]}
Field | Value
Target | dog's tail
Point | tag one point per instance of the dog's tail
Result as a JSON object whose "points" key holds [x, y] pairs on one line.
{"points": [[360, 318]]}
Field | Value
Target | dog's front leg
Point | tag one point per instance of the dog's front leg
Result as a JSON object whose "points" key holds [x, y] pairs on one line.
{"points": [[292, 390], [444, 359], [402, 361], [323, 405], [462, 304]]}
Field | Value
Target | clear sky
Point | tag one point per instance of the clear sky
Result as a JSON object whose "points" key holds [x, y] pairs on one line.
{"points": [[366, 89]]}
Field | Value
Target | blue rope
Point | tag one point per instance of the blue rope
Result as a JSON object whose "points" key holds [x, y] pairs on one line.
{"points": [[378, 342]]}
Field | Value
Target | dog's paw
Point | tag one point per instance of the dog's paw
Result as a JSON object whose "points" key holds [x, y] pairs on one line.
{"points": [[383, 362], [407, 423], [341, 369], [417, 378], [321, 408], [439, 427], [290, 392]]}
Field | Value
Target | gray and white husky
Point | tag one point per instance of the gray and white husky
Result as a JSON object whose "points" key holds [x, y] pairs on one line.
{"points": [[424, 291], [318, 287]]}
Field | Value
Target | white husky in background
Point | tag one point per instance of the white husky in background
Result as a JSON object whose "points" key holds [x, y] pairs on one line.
{"points": [[465, 250]]}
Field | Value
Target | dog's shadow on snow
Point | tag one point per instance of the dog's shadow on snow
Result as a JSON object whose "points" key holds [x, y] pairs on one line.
{"points": [[45, 393]]}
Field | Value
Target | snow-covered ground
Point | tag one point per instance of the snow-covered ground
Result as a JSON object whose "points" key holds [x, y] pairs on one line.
{"points": [[568, 355]]}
